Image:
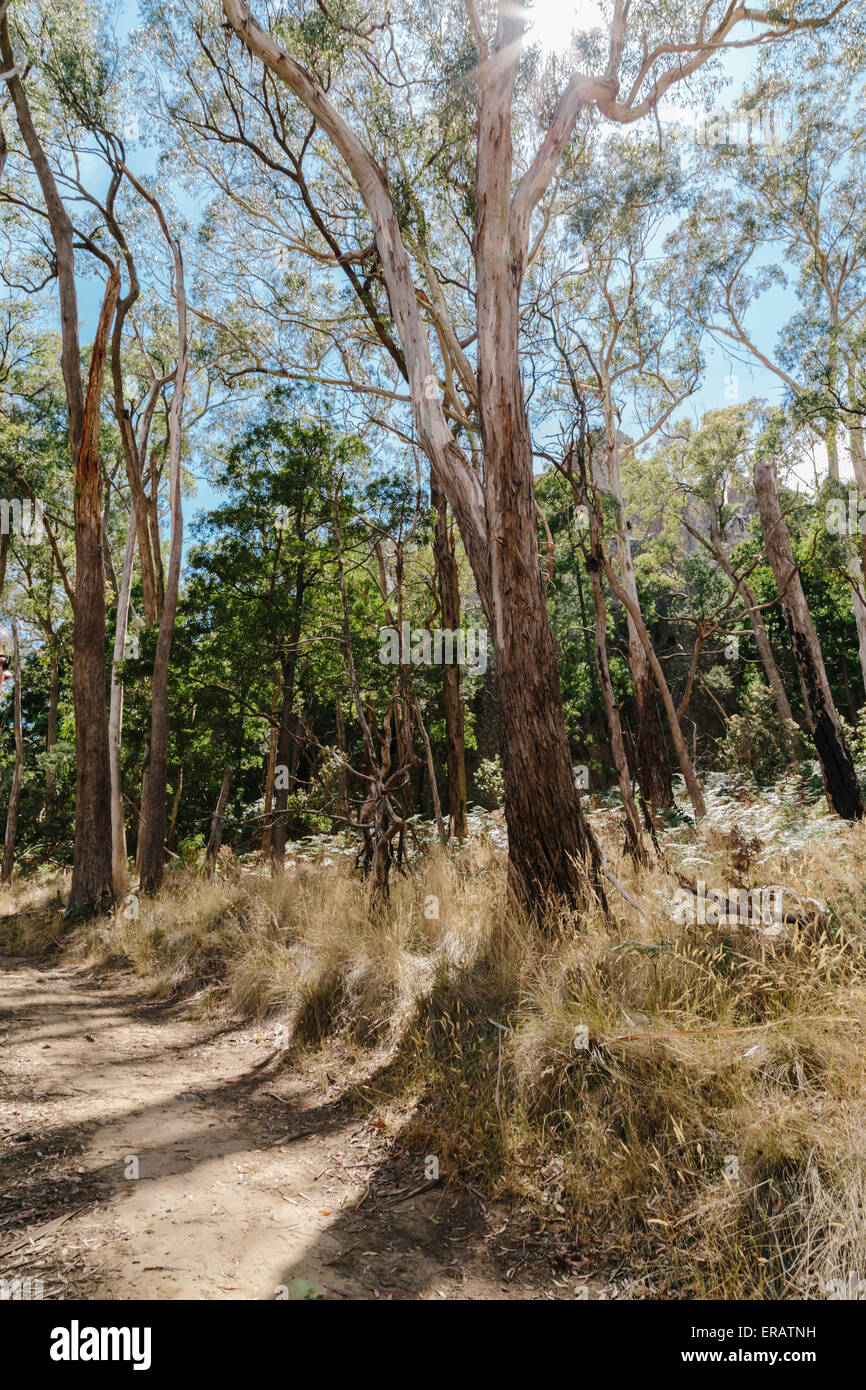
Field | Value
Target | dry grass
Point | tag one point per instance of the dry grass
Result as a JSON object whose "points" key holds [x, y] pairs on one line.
{"points": [[31, 914], [711, 1130]]}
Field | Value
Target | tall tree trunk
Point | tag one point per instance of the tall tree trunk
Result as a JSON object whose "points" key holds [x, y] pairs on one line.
{"points": [[634, 836], [153, 855], [271, 769], [840, 779], [449, 601], [51, 731], [279, 830], [115, 719], [858, 567], [91, 875], [171, 842], [155, 541], [141, 835], [551, 847], [693, 786], [216, 827], [345, 809], [135, 450], [91, 889], [15, 793], [747, 594], [654, 771]]}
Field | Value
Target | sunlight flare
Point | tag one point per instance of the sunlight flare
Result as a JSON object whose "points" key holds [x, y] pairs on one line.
{"points": [[553, 22]]}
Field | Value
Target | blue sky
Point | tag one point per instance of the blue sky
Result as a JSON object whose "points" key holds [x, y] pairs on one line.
{"points": [[725, 379]]}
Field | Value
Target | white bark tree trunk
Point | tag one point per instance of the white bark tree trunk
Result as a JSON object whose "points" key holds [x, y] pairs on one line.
{"points": [[115, 719]]}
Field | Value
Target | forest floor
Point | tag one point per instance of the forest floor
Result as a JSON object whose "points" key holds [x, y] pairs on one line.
{"points": [[252, 1183], [237, 1088]]}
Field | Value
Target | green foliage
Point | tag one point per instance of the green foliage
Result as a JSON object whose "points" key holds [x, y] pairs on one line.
{"points": [[758, 741], [489, 783]]}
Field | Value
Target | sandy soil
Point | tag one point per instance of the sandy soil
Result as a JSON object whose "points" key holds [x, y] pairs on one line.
{"points": [[250, 1184]]}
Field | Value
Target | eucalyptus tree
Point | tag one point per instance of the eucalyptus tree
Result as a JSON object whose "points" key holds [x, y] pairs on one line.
{"points": [[37, 560], [91, 888], [246, 149], [432, 239], [615, 310], [264, 568], [79, 161], [709, 465], [625, 72], [844, 794], [797, 184]]}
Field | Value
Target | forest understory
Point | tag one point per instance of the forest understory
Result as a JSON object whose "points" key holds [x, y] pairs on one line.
{"points": [[647, 1107]]}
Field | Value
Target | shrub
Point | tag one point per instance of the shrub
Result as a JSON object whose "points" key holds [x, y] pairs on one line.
{"points": [[758, 741], [490, 784]]}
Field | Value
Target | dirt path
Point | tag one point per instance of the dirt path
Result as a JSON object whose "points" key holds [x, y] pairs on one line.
{"points": [[249, 1184]]}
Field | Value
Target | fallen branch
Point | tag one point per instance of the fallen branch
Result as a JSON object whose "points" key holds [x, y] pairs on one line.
{"points": [[619, 888]]}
